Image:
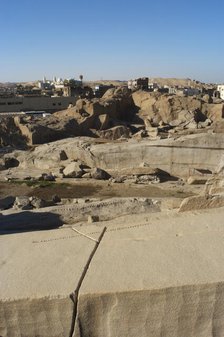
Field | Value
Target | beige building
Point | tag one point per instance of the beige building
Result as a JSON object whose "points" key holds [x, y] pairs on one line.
{"points": [[49, 104], [220, 89]]}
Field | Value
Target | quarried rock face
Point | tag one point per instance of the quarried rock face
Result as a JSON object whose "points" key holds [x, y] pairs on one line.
{"points": [[45, 317], [145, 313], [176, 156]]}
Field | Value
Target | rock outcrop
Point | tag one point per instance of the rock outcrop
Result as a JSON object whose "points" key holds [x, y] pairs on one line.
{"points": [[168, 108], [10, 135], [114, 115], [44, 130], [179, 157]]}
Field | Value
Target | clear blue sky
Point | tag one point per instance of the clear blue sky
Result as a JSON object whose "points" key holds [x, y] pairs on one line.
{"points": [[112, 39]]}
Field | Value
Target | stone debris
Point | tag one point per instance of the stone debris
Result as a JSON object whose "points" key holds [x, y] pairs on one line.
{"points": [[28, 203], [82, 209]]}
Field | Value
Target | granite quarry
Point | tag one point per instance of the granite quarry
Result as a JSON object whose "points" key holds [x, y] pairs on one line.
{"points": [[111, 218]]}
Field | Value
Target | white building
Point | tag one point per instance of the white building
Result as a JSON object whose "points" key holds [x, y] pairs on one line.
{"points": [[220, 88]]}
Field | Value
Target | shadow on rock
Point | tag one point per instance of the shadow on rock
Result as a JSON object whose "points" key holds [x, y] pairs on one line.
{"points": [[28, 221], [165, 176]]}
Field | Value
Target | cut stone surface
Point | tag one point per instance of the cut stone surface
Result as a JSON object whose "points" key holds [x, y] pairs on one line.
{"points": [[157, 271], [164, 276], [39, 271]]}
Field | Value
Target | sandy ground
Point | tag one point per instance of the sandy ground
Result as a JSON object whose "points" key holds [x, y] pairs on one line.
{"points": [[83, 188]]}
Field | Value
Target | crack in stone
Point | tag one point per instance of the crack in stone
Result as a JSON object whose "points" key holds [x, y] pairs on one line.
{"points": [[75, 293]]}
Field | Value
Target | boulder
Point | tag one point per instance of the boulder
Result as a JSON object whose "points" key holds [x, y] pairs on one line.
{"points": [[86, 175], [56, 199], [116, 104], [207, 98], [218, 126], [73, 170], [10, 162], [22, 203], [97, 173], [140, 134], [205, 124], [116, 132], [103, 121], [37, 202], [47, 177], [217, 187], [44, 157], [201, 202], [147, 178], [117, 180]]}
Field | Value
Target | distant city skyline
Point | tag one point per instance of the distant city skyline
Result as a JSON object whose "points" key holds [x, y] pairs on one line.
{"points": [[116, 40]]}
